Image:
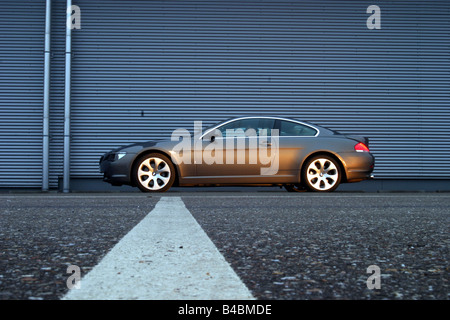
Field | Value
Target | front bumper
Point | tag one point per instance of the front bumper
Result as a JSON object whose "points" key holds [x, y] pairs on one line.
{"points": [[116, 171]]}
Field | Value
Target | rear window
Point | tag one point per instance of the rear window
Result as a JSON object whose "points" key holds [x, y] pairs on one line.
{"points": [[294, 129]]}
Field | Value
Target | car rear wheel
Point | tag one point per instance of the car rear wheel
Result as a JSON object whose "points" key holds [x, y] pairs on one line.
{"points": [[321, 173], [154, 173]]}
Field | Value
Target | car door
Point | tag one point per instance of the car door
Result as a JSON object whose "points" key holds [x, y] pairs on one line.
{"points": [[232, 155]]}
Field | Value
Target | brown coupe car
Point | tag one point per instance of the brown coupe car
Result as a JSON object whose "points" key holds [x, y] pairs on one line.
{"points": [[259, 151]]}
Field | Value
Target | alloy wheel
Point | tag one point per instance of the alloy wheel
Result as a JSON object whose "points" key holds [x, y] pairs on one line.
{"points": [[322, 174], [154, 173]]}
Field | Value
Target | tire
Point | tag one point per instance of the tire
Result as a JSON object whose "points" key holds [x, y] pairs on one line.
{"points": [[154, 172], [321, 173]]}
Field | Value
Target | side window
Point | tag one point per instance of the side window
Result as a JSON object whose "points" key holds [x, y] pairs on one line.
{"points": [[288, 128], [265, 127], [261, 126]]}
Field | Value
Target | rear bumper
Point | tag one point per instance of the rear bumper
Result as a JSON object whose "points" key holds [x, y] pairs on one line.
{"points": [[359, 176], [359, 166]]}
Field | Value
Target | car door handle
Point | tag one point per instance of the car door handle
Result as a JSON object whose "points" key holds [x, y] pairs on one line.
{"points": [[266, 143]]}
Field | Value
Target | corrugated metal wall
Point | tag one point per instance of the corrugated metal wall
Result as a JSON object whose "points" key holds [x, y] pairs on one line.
{"points": [[143, 68], [21, 92]]}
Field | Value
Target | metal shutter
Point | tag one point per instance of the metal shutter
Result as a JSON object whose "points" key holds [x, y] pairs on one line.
{"points": [[21, 92], [144, 68]]}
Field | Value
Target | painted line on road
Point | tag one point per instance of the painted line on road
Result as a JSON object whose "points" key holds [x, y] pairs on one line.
{"points": [[167, 256]]}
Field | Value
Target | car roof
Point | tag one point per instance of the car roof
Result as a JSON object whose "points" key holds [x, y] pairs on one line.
{"points": [[314, 126]]}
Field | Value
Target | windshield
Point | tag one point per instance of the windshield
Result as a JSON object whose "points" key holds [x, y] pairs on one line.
{"points": [[209, 127]]}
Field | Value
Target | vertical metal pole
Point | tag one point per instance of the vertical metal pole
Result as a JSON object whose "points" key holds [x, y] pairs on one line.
{"points": [[66, 173], [46, 111]]}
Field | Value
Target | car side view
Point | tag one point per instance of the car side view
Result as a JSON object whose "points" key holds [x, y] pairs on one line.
{"points": [[252, 151]]}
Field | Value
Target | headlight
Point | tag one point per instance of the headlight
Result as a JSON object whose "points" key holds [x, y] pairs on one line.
{"points": [[120, 155]]}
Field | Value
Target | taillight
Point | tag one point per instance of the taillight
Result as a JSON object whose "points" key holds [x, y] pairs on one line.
{"points": [[361, 147]]}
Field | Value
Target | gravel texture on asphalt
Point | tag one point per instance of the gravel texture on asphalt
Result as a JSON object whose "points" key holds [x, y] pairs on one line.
{"points": [[309, 246], [40, 236], [283, 246]]}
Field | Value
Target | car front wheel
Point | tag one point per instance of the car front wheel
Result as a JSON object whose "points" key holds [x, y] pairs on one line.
{"points": [[321, 173], [154, 173]]}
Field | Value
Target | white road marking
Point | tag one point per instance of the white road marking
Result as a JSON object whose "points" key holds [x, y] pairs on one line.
{"points": [[167, 256]]}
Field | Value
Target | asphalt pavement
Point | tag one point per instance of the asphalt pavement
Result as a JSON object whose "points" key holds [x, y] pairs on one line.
{"points": [[283, 246]]}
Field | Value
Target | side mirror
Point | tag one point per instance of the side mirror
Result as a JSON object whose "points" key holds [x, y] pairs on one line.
{"points": [[212, 139]]}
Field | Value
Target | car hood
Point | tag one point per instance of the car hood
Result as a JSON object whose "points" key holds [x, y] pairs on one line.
{"points": [[144, 144]]}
